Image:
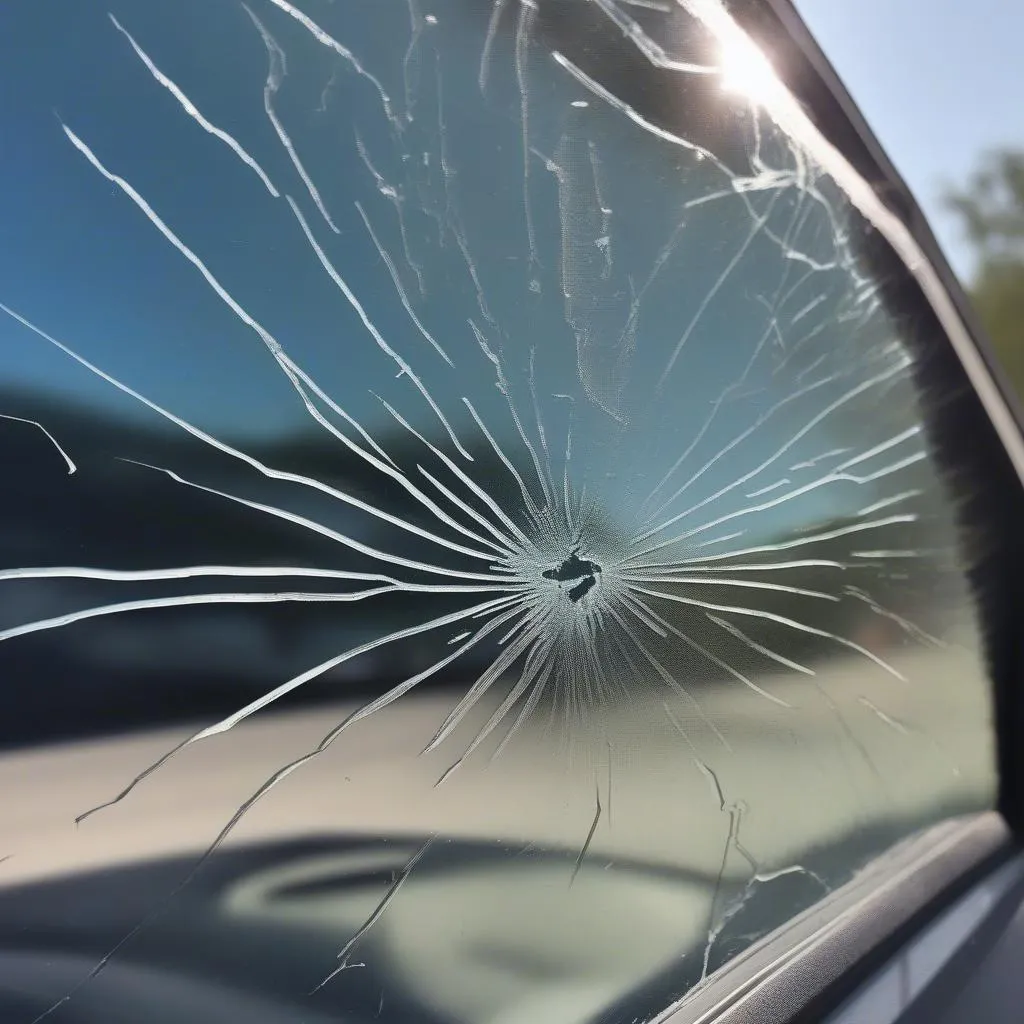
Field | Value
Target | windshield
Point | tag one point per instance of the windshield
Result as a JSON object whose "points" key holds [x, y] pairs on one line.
{"points": [[482, 442]]}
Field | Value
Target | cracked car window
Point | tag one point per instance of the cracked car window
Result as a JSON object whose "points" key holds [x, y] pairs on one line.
{"points": [[471, 545]]}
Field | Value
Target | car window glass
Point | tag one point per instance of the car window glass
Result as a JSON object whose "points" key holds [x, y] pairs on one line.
{"points": [[468, 490]]}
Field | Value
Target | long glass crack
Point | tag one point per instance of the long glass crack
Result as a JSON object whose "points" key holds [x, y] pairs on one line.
{"points": [[523, 356]]}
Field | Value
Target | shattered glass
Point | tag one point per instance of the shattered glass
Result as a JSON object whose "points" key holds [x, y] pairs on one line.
{"points": [[484, 429]]}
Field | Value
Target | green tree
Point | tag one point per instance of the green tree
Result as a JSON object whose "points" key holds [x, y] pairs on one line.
{"points": [[991, 211]]}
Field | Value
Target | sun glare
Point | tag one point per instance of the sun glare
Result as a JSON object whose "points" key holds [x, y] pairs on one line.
{"points": [[745, 69]]}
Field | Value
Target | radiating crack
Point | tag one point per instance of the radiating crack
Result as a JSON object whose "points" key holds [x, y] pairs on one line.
{"points": [[32, 423]]}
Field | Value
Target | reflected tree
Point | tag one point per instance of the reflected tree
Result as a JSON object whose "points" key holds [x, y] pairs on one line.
{"points": [[990, 206]]}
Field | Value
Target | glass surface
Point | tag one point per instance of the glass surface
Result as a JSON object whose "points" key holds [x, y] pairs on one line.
{"points": [[472, 547]]}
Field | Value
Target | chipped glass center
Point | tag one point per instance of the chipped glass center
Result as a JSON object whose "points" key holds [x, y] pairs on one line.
{"points": [[580, 572]]}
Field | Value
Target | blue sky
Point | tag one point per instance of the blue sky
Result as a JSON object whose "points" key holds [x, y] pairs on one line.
{"points": [[940, 81]]}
